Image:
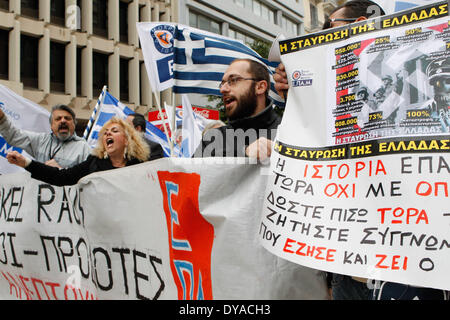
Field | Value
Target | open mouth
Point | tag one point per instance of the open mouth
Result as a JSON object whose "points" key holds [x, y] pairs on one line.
{"points": [[228, 100], [63, 128], [109, 141]]}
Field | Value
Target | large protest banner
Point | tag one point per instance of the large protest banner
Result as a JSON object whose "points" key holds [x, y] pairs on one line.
{"points": [[361, 165], [167, 229]]}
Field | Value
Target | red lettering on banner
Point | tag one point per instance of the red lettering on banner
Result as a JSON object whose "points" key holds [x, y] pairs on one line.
{"points": [[190, 235], [305, 250], [393, 263], [400, 215], [21, 287]]}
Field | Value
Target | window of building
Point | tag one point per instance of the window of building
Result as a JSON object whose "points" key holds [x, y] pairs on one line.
{"points": [[100, 72], [263, 11], [4, 45], [205, 23], [57, 67], [240, 3], [29, 61], [289, 25], [124, 80], [142, 73], [79, 70], [30, 8], [314, 15], [240, 36], [4, 4], [257, 8], [57, 12], [123, 21], [100, 17]]}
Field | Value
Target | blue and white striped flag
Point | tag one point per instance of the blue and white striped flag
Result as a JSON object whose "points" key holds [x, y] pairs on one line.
{"points": [[112, 107], [201, 59], [94, 113]]}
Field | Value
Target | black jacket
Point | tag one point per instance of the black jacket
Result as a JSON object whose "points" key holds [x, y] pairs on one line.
{"points": [[238, 134], [156, 151], [70, 176]]}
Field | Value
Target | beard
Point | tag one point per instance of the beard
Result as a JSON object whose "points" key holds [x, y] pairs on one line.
{"points": [[63, 136], [246, 105]]}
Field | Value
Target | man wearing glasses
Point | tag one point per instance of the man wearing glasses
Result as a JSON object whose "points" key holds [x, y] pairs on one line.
{"points": [[251, 117]]}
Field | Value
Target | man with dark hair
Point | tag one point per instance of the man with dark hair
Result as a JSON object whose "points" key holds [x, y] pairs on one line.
{"points": [[252, 119], [353, 11], [349, 12], [139, 123], [59, 148]]}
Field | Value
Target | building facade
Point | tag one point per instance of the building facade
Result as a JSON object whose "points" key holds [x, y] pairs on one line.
{"points": [[246, 20], [317, 11], [65, 51]]}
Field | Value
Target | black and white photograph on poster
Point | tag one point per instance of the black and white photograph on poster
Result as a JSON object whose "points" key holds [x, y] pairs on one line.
{"points": [[393, 82]]}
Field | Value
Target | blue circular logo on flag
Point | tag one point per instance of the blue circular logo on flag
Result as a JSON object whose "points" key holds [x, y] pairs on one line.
{"points": [[163, 38]]}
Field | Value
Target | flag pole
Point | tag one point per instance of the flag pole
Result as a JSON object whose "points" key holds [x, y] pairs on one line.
{"points": [[94, 113], [174, 113], [164, 123], [171, 125]]}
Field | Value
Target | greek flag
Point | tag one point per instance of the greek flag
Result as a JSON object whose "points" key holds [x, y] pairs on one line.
{"points": [[201, 59], [112, 107]]}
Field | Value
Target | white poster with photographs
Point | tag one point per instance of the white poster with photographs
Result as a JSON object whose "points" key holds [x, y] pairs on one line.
{"points": [[360, 174]]}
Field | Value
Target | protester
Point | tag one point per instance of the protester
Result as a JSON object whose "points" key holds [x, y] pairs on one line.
{"points": [[119, 145], [245, 93], [213, 125], [59, 148], [139, 123]]}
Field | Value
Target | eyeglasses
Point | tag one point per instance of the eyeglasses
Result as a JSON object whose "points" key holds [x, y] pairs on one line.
{"points": [[233, 80], [327, 24]]}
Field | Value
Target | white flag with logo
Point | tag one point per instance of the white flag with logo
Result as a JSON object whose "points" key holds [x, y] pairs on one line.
{"points": [[24, 114], [157, 48]]}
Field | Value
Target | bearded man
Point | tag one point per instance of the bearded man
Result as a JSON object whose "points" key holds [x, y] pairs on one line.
{"points": [[59, 148], [251, 117]]}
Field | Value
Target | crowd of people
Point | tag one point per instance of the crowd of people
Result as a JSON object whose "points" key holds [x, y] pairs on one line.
{"points": [[62, 158]]}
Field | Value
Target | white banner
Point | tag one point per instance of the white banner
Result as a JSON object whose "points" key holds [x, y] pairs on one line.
{"points": [[25, 115], [365, 198], [391, 6], [166, 229]]}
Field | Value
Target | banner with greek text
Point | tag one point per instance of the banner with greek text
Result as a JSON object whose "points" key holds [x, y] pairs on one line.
{"points": [[361, 164], [165, 229], [391, 6]]}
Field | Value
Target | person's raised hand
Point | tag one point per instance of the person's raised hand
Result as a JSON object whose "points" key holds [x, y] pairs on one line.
{"points": [[16, 158], [281, 81]]}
